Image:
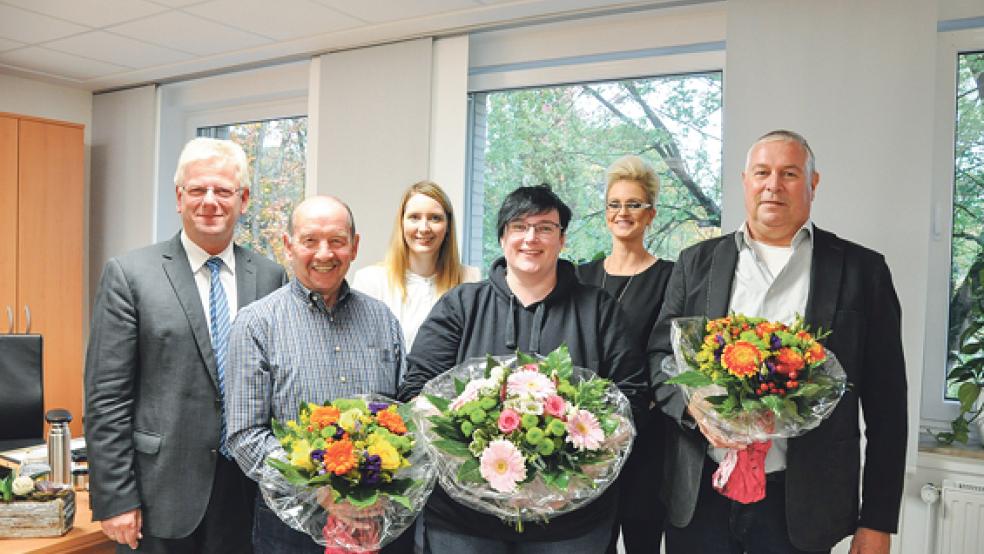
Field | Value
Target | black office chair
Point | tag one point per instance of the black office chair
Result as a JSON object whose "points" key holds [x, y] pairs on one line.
{"points": [[21, 391]]}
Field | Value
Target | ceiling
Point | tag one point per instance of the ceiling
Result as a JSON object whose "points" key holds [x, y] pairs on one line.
{"points": [[107, 44]]}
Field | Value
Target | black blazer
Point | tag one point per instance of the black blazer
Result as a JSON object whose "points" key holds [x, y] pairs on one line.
{"points": [[851, 293], [152, 401]]}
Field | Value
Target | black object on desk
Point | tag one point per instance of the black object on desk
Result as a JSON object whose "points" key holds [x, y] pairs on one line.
{"points": [[22, 391]]}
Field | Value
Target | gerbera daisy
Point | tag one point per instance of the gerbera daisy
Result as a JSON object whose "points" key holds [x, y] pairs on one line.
{"points": [[532, 384], [741, 359], [502, 465], [584, 431]]}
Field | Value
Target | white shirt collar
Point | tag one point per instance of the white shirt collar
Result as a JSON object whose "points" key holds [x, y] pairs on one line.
{"points": [[804, 233], [197, 256]]}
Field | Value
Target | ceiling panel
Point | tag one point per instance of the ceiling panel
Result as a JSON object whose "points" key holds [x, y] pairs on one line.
{"points": [[41, 59], [31, 28], [379, 11], [95, 13], [281, 20], [188, 33], [107, 47]]}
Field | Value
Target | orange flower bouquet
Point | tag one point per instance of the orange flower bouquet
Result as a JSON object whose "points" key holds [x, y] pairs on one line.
{"points": [[748, 381], [354, 478]]}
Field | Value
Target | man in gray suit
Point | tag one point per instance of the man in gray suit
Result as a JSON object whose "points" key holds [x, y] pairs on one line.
{"points": [[161, 479]]}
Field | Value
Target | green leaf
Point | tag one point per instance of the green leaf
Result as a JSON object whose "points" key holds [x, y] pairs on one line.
{"points": [[967, 394], [406, 413], [438, 402], [751, 404], [470, 472], [773, 403], [559, 479], [346, 404], [445, 427], [401, 500], [291, 473], [459, 386], [453, 447], [362, 498], [691, 379], [278, 428]]}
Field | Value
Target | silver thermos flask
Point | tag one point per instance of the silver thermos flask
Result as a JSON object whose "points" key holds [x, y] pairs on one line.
{"points": [[59, 446]]}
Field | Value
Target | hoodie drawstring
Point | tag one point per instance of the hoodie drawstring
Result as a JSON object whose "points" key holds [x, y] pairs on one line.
{"points": [[511, 324], [535, 331]]}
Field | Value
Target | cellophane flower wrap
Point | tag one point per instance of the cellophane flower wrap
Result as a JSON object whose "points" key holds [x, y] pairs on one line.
{"points": [[524, 438], [354, 477], [750, 380]]}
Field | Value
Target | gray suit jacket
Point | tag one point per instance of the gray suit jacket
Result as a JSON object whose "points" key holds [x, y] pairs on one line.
{"points": [[152, 406], [851, 294]]}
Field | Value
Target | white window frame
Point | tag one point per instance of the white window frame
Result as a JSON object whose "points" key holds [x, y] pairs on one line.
{"points": [[936, 412], [271, 92]]}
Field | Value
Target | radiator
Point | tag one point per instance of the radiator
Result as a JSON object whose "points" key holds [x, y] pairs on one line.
{"points": [[961, 521]]}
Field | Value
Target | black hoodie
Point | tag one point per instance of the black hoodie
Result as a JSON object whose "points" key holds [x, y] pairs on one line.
{"points": [[475, 319]]}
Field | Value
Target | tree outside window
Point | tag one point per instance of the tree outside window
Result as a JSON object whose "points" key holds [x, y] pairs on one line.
{"points": [[567, 136], [275, 152], [965, 339]]}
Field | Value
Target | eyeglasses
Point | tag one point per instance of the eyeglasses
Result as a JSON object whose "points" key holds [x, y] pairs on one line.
{"points": [[544, 229], [198, 191], [632, 206]]}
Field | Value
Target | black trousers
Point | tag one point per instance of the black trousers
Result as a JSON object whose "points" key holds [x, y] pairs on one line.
{"points": [[722, 526], [228, 522]]}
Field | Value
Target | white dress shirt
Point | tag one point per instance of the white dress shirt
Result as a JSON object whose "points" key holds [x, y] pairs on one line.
{"points": [[203, 277], [771, 282]]}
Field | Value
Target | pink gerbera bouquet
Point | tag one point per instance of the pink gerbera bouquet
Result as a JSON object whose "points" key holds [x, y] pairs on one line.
{"points": [[525, 438]]}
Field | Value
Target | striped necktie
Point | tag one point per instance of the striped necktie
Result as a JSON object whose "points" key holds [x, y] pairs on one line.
{"points": [[218, 314]]}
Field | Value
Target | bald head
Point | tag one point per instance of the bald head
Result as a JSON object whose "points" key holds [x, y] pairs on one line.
{"points": [[319, 204]]}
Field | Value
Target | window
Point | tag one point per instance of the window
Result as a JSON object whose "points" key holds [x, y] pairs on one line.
{"points": [[567, 136], [275, 151], [965, 337]]}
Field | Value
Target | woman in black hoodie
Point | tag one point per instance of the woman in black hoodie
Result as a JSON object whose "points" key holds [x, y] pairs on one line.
{"points": [[531, 302]]}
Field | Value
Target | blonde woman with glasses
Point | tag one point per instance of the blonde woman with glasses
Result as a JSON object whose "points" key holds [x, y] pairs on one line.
{"points": [[637, 280]]}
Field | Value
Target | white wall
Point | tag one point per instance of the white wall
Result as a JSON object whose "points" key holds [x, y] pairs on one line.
{"points": [[124, 151], [374, 120]]}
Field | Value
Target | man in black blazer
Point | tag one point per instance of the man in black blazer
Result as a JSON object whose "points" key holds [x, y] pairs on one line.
{"points": [[778, 264], [154, 370]]}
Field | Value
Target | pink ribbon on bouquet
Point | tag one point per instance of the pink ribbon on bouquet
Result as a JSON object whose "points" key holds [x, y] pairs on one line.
{"points": [[337, 531], [741, 474]]}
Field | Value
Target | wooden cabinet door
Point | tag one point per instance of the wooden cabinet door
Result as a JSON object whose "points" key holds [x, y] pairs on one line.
{"points": [[8, 222], [50, 249]]}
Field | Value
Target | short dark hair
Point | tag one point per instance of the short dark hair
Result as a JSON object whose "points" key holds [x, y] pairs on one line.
{"points": [[532, 201]]}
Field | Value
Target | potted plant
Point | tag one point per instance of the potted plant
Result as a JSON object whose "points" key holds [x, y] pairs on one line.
{"points": [[30, 508], [968, 363]]}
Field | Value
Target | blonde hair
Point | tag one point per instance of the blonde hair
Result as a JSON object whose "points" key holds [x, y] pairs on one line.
{"points": [[634, 168], [203, 148], [449, 271]]}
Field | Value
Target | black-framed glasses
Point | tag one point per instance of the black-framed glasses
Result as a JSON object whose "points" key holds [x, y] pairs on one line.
{"points": [[199, 191], [544, 229], [632, 206]]}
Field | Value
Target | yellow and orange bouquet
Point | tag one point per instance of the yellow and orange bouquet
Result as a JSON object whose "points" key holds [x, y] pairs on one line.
{"points": [[356, 477], [749, 380]]}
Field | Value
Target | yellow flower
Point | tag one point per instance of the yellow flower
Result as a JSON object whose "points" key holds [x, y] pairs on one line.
{"points": [[349, 418], [388, 456], [300, 455]]}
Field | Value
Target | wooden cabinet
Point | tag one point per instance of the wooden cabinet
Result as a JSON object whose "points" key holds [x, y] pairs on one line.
{"points": [[41, 247]]}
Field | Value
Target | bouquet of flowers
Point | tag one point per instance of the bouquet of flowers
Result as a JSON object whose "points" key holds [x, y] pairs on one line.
{"points": [[525, 438], [354, 478], [749, 380]]}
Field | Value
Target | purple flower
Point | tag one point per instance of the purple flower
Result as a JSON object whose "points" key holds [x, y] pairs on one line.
{"points": [[339, 433], [775, 342], [719, 339], [771, 364], [378, 406], [370, 468], [318, 455]]}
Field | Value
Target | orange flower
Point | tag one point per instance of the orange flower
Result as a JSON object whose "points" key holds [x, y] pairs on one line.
{"points": [[340, 457], [741, 359], [816, 354], [391, 420], [804, 335], [766, 327], [789, 361], [324, 416]]}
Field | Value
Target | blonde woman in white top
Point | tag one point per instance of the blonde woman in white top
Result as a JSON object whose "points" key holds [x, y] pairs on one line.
{"points": [[422, 262]]}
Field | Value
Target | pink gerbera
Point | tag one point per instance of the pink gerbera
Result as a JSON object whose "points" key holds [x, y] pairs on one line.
{"points": [[508, 421], [531, 384], [583, 430], [502, 465], [555, 406]]}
